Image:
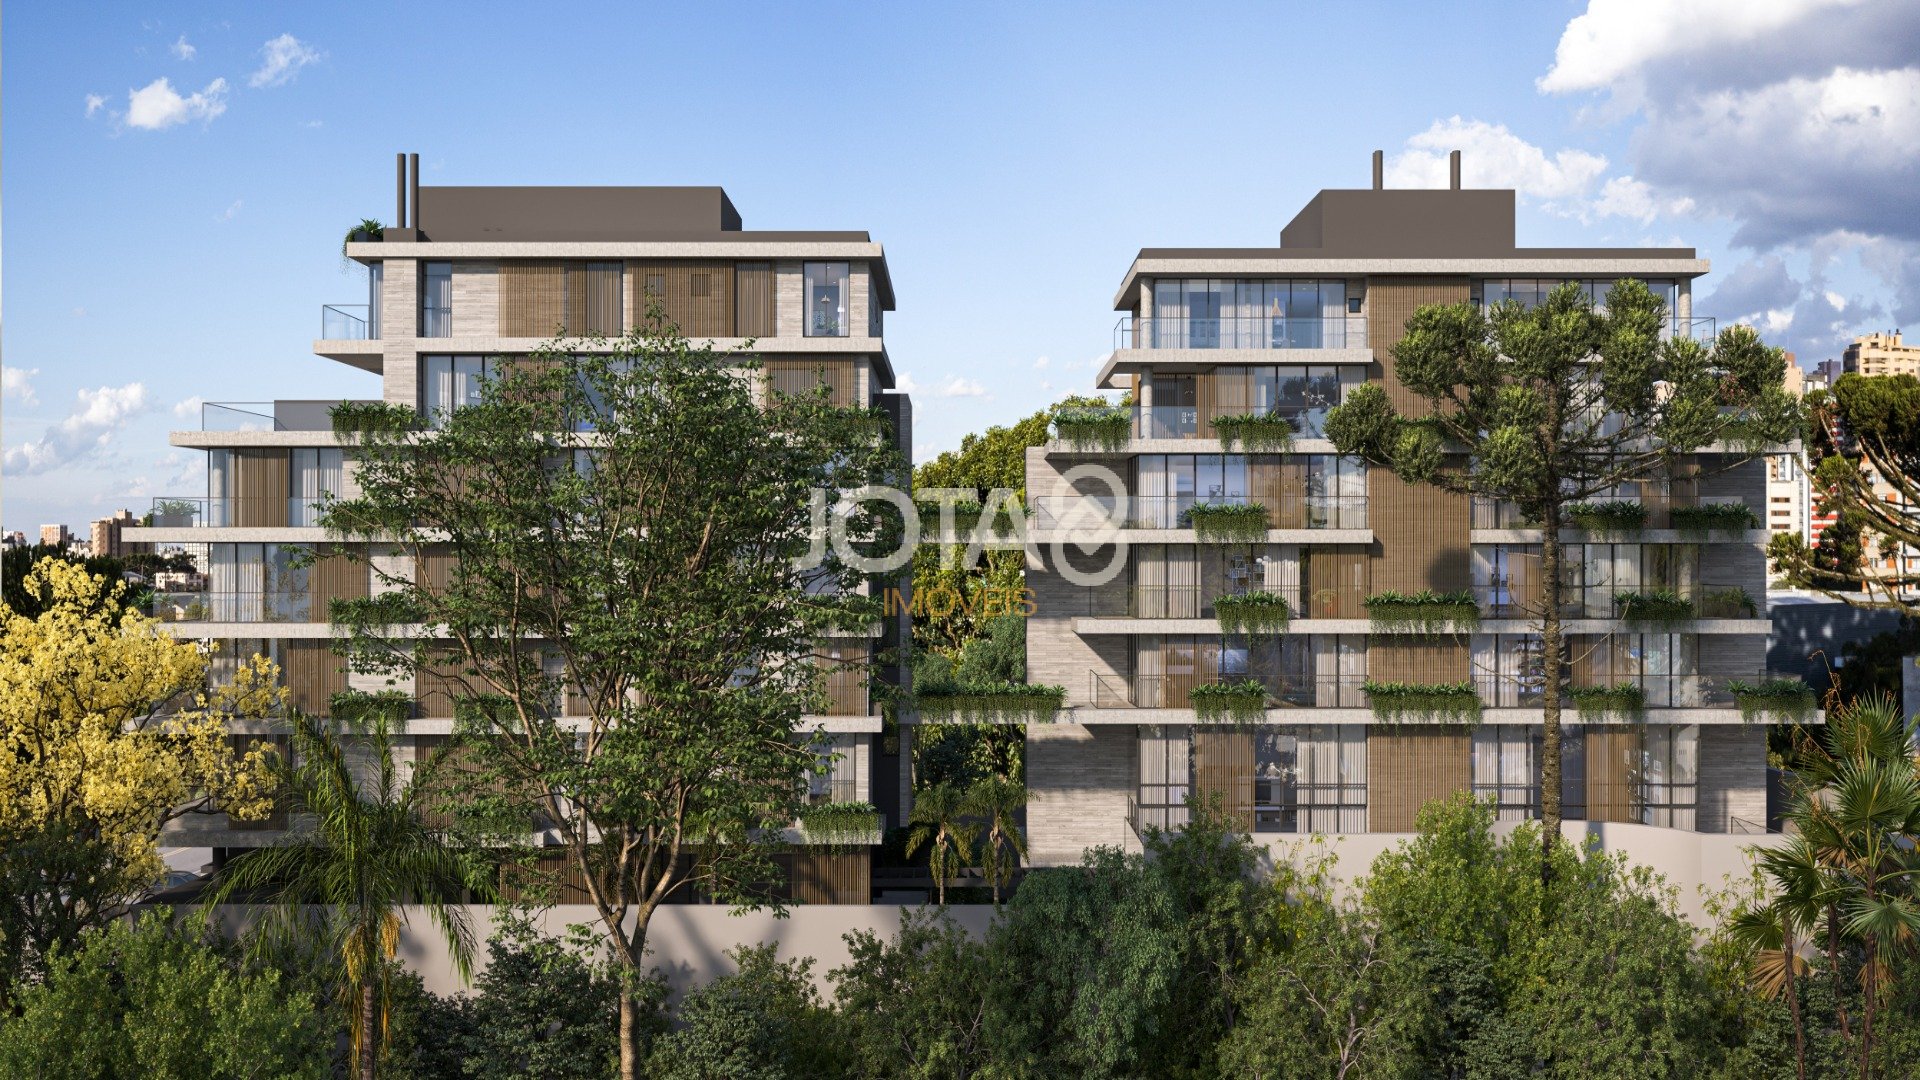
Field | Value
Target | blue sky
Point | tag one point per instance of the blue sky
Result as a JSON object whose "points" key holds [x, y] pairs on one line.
{"points": [[172, 242]]}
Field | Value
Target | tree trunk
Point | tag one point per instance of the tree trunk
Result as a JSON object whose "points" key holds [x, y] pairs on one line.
{"points": [[1553, 664], [1833, 970], [629, 1035], [1872, 972], [631, 953], [367, 1054], [1793, 1004]]}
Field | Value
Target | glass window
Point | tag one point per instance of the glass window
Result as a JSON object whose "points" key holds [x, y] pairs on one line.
{"points": [[451, 382], [1310, 779], [314, 476], [1165, 776], [826, 292], [1505, 769], [436, 299], [376, 283], [1509, 669], [1670, 775]]}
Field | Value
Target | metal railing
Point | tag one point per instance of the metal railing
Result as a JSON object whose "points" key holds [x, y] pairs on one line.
{"points": [[1494, 514], [1595, 600], [1240, 332], [1091, 512], [1167, 817], [345, 322], [1174, 691]]}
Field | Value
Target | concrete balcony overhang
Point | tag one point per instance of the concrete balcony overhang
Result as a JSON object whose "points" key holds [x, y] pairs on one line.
{"points": [[224, 440], [1091, 538], [367, 354], [1143, 361], [1057, 447], [1757, 537], [1717, 717], [259, 534], [1094, 626]]}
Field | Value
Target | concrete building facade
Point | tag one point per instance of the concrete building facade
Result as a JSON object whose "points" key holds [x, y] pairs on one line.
{"points": [[469, 276], [1208, 333]]}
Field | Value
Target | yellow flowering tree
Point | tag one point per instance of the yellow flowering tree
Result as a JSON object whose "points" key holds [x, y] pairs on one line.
{"points": [[107, 732]]}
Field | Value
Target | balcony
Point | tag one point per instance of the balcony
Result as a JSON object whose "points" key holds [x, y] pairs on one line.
{"points": [[1107, 691], [285, 414], [1286, 511], [1669, 603], [201, 512], [1620, 516], [257, 606], [1307, 420], [1262, 332], [347, 322]]}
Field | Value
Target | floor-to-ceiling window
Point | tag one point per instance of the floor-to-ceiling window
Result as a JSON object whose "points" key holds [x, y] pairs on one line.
{"points": [[1310, 778]]}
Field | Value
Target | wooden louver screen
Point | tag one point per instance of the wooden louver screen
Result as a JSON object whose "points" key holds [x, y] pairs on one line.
{"points": [[259, 488], [697, 297], [336, 577], [1613, 774], [593, 298], [798, 377], [546, 299], [1408, 769], [1223, 771], [753, 300], [314, 674]]}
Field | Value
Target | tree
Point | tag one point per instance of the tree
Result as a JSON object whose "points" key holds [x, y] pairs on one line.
{"points": [[370, 855], [628, 531], [1865, 437], [763, 1022], [998, 801], [144, 998], [1545, 408], [107, 732], [939, 822], [916, 1007]]}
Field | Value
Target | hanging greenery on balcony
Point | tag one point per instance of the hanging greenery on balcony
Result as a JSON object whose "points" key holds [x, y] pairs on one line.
{"points": [[361, 707], [966, 516], [1595, 702], [1787, 700], [987, 703], [1397, 702], [1425, 613], [357, 417], [1608, 517], [1270, 432], [1232, 523], [840, 824], [1093, 428], [1255, 613], [1243, 702], [1660, 607], [1712, 517], [1732, 602]]}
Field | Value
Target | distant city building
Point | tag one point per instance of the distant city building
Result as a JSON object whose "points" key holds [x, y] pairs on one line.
{"points": [[107, 535], [1882, 354], [55, 535], [1795, 382], [1827, 372], [1789, 494], [180, 581]]}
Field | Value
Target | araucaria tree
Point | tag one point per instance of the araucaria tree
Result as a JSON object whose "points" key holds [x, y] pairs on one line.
{"points": [[107, 732], [1543, 408], [614, 559]]}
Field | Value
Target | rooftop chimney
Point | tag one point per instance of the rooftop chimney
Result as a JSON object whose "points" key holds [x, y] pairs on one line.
{"points": [[413, 187], [1379, 170], [1453, 172], [400, 191]]}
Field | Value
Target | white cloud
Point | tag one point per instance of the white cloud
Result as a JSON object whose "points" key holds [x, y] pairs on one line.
{"points": [[183, 50], [1623, 196], [955, 386], [281, 59], [906, 384], [17, 384], [87, 431], [190, 408], [1493, 157], [158, 105], [1616, 39], [1041, 364], [95, 102], [231, 210], [313, 123]]}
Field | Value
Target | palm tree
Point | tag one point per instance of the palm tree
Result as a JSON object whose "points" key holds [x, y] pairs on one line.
{"points": [[939, 821], [998, 800], [369, 853], [1852, 871]]}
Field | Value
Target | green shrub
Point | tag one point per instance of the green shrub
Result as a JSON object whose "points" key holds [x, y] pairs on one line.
{"points": [[1662, 607], [1233, 523], [1243, 702], [1608, 517], [1094, 428], [1394, 702], [1425, 613], [1598, 702], [1255, 432], [1711, 517], [1254, 613], [1779, 699]]}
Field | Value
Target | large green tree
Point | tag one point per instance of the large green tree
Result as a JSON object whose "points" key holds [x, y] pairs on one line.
{"points": [[628, 527], [1543, 408]]}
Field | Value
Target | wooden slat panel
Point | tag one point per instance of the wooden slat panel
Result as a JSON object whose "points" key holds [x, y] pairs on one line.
{"points": [[753, 300], [1223, 769], [433, 571], [696, 296], [532, 298], [593, 298], [259, 488], [1336, 583], [804, 376], [1445, 661], [336, 577], [1390, 303], [314, 674], [1408, 769], [829, 877], [1420, 536], [1613, 774]]}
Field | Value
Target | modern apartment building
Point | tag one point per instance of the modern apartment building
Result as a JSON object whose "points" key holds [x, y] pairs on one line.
{"points": [[1881, 354], [1211, 332], [469, 276]]}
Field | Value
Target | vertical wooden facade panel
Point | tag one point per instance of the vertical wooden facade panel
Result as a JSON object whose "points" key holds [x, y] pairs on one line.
{"points": [[1336, 583], [532, 298], [593, 298], [336, 577], [1613, 773], [828, 877], [753, 315], [1408, 769], [313, 673], [798, 377], [260, 488], [1223, 770], [1402, 660], [1420, 536], [1390, 303], [696, 296]]}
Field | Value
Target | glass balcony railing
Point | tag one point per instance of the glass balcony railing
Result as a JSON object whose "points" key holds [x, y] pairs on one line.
{"points": [[242, 607], [1241, 332], [1092, 512], [238, 416], [200, 512], [345, 322], [1508, 691], [1308, 420]]}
